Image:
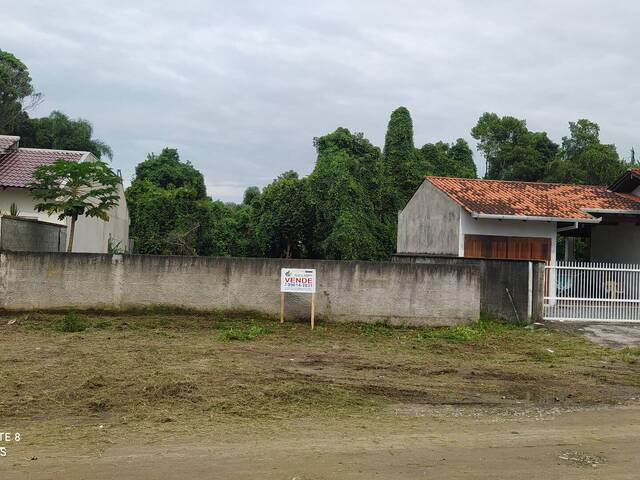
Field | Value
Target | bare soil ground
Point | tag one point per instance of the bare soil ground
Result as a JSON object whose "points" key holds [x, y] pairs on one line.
{"points": [[215, 396]]}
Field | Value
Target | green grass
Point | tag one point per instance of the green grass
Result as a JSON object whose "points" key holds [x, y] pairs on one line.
{"points": [[629, 354], [466, 333], [242, 334]]}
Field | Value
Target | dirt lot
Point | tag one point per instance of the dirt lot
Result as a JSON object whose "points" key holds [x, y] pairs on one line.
{"points": [[214, 396]]}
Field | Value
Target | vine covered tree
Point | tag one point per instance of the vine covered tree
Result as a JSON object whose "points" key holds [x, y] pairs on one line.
{"points": [[345, 191], [403, 170], [168, 206]]}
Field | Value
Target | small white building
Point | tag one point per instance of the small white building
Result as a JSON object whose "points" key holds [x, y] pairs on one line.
{"points": [[17, 164], [521, 220]]}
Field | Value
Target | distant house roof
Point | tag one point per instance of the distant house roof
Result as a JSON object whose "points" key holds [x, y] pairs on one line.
{"points": [[17, 164], [7, 142], [627, 182], [535, 201]]}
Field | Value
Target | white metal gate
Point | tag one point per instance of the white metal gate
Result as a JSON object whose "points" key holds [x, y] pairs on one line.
{"points": [[592, 292]]}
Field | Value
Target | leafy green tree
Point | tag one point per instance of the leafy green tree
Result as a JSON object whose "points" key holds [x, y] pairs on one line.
{"points": [[251, 194], [15, 89], [511, 151], [449, 160], [282, 217], [73, 189], [583, 159], [59, 132]]}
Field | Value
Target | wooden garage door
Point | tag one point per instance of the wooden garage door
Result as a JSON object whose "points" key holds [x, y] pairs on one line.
{"points": [[514, 248]]}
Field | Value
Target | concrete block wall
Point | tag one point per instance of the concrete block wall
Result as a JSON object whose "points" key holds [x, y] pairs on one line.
{"points": [[524, 280], [393, 293], [29, 235]]}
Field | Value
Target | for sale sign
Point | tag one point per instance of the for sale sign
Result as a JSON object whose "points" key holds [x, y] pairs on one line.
{"points": [[301, 280]]}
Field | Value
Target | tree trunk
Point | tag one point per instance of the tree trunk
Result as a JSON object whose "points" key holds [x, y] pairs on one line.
{"points": [[71, 232]]}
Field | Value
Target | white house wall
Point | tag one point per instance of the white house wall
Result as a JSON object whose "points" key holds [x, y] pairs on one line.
{"points": [[23, 200], [616, 243], [92, 234], [429, 223], [506, 228]]}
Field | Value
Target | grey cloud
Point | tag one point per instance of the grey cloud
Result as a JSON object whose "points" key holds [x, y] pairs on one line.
{"points": [[241, 88]]}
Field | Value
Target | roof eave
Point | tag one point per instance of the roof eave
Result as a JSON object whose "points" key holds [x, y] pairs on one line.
{"points": [[492, 216], [611, 211]]}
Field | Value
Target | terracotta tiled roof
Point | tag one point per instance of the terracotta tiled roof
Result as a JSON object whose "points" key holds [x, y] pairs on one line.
{"points": [[16, 167], [528, 199]]}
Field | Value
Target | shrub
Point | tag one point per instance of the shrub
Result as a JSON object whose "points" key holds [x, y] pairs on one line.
{"points": [[71, 323]]}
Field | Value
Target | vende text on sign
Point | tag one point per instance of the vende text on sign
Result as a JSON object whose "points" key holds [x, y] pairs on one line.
{"points": [[301, 280]]}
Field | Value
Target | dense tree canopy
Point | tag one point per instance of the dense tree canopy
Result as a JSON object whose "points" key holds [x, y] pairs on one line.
{"points": [[167, 171], [15, 88], [449, 160], [345, 191], [59, 132], [347, 207], [168, 207], [282, 218], [583, 159], [511, 151]]}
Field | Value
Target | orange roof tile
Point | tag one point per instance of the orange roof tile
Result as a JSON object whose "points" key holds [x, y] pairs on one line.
{"points": [[529, 199]]}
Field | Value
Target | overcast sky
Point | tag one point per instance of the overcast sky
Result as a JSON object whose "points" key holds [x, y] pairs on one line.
{"points": [[242, 87]]}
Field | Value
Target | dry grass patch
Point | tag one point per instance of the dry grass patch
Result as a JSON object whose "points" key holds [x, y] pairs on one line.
{"points": [[140, 370]]}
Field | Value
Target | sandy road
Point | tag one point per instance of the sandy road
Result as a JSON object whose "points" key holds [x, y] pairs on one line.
{"points": [[467, 447]]}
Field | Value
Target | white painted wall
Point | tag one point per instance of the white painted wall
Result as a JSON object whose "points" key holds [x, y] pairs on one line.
{"points": [[23, 200], [507, 228], [92, 234]]}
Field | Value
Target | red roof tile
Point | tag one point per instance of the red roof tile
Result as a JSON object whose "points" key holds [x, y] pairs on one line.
{"points": [[16, 167], [546, 200]]}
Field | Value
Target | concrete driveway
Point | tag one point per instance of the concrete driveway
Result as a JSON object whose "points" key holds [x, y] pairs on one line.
{"points": [[612, 335]]}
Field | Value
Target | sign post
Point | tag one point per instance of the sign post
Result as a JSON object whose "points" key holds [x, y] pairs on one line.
{"points": [[298, 280]]}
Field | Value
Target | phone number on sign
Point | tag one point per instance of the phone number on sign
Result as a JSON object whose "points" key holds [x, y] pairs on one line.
{"points": [[7, 438]]}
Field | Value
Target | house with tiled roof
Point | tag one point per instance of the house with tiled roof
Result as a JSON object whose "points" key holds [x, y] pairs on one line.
{"points": [[16, 173], [521, 220]]}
